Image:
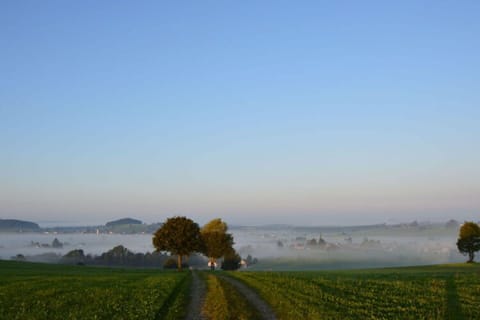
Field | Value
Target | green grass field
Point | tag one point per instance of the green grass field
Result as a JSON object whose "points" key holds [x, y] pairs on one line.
{"points": [[42, 291], [433, 292]]}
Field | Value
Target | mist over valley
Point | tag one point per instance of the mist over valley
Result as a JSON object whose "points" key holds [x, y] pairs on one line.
{"points": [[274, 247]]}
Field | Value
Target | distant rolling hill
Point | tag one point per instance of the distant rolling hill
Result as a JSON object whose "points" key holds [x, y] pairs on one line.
{"points": [[18, 225], [123, 221]]}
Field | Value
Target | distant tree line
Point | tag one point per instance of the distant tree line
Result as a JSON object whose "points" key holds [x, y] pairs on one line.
{"points": [[55, 244], [121, 256]]}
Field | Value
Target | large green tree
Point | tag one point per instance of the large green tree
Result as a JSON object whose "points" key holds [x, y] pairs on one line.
{"points": [[216, 241], [179, 236], [469, 240]]}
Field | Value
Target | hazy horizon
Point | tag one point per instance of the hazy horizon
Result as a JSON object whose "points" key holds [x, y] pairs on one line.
{"points": [[232, 223], [344, 248], [319, 113]]}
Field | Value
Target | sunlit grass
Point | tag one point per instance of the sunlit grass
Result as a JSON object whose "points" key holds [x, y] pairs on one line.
{"points": [[40, 291], [430, 292], [224, 302]]}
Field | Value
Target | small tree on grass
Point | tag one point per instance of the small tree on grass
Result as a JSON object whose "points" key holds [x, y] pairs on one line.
{"points": [[179, 236], [231, 260], [216, 241], [469, 240]]}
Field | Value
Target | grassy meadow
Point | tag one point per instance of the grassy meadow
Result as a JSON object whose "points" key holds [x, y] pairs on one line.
{"points": [[42, 291], [45, 291], [430, 292]]}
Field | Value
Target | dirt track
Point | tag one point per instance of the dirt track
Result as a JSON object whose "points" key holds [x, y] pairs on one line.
{"points": [[252, 297], [198, 290]]}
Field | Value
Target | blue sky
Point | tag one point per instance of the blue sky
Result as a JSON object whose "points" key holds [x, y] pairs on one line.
{"points": [[321, 112]]}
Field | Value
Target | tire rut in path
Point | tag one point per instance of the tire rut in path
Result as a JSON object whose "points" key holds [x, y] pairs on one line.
{"points": [[252, 297], [453, 304], [198, 290]]}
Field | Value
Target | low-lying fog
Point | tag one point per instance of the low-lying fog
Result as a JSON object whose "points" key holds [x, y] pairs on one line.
{"points": [[278, 248], [295, 248]]}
